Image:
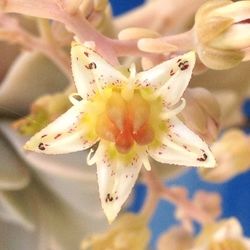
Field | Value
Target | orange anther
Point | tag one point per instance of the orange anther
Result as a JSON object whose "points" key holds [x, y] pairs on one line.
{"points": [[139, 111], [106, 129], [144, 135], [124, 142], [116, 109]]}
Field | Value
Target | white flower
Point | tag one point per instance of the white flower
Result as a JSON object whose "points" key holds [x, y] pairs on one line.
{"points": [[132, 118]]}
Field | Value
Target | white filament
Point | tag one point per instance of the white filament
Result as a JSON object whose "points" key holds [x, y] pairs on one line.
{"points": [[91, 158], [173, 112], [145, 162]]}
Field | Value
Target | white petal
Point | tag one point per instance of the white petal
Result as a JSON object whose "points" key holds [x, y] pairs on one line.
{"points": [[182, 147], [91, 71], [169, 78], [116, 180], [64, 135]]}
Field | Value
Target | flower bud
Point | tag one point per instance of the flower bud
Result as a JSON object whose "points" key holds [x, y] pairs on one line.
{"points": [[100, 5], [232, 153], [43, 111], [129, 231], [222, 31], [177, 238], [202, 113], [208, 202]]}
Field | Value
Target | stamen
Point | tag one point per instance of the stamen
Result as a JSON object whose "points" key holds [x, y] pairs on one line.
{"points": [[128, 90], [132, 71], [106, 128], [144, 135], [116, 110], [139, 111], [145, 162], [91, 158], [173, 112], [124, 142]]}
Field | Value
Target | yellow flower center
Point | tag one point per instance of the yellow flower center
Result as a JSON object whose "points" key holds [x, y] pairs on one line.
{"points": [[126, 117]]}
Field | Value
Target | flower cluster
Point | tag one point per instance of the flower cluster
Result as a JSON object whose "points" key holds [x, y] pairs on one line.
{"points": [[143, 94]]}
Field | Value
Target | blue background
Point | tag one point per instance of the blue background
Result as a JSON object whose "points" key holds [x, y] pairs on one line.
{"points": [[235, 193]]}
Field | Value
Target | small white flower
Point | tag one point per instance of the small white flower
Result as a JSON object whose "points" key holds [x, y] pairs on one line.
{"points": [[131, 117]]}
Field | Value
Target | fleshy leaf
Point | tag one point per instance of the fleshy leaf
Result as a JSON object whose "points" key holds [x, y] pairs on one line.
{"points": [[13, 174], [30, 76]]}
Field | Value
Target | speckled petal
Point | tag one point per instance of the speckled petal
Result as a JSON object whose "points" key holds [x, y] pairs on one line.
{"points": [[169, 78], [116, 180], [64, 135], [91, 72], [182, 147]]}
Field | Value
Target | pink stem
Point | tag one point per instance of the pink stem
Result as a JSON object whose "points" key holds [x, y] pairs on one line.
{"points": [[161, 191], [12, 32], [109, 48]]}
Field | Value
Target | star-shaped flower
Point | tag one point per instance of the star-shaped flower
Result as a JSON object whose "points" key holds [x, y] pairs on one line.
{"points": [[132, 118]]}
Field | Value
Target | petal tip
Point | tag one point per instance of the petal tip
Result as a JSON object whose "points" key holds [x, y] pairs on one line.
{"points": [[211, 162], [190, 55], [27, 146], [111, 214]]}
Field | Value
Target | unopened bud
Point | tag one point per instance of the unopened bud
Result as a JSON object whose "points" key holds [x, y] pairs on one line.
{"points": [[222, 32], [177, 238], [208, 202], [100, 5], [2, 4], [202, 113], [232, 153], [130, 231], [43, 111]]}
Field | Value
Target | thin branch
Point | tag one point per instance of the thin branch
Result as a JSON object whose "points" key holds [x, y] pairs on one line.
{"points": [[159, 190], [76, 23], [11, 31], [170, 17]]}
